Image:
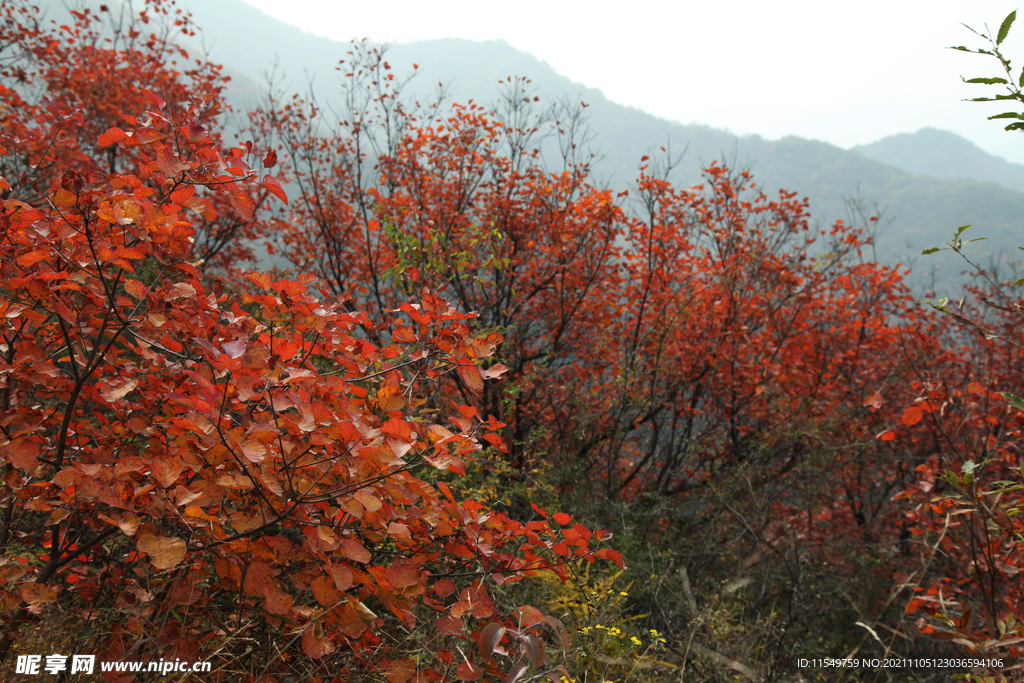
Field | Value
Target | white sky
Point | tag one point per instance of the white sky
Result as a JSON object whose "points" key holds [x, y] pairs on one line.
{"points": [[845, 72]]}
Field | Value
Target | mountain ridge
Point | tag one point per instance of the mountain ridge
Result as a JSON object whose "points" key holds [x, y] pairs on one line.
{"points": [[927, 196], [926, 207]]}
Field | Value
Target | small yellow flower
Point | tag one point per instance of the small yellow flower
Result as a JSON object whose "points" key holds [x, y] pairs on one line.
{"points": [[623, 593], [636, 641]]}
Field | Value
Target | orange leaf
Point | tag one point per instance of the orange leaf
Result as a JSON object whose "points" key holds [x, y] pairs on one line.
{"points": [[274, 187], [32, 257], [183, 194], [316, 644], [324, 591], [257, 576], [342, 576], [562, 518], [873, 401], [111, 136], [887, 435], [911, 416], [353, 550], [467, 671], [22, 453], [261, 280], [165, 471], [367, 500], [528, 616], [37, 592], [403, 334], [397, 428], [494, 371], [609, 554], [444, 588], [471, 376], [402, 576], [242, 202], [390, 399], [135, 288], [164, 552], [276, 601]]}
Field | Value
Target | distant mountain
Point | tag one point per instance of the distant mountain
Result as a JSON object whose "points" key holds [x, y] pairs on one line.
{"points": [[942, 154], [928, 182]]}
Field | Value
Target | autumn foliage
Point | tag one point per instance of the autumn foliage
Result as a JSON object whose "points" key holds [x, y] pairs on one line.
{"points": [[242, 457], [199, 457]]}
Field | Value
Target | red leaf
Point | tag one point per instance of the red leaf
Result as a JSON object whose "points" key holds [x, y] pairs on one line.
{"points": [[353, 550], [444, 588], [183, 194], [401, 575], [528, 616], [471, 376], [274, 187], [873, 401], [494, 371], [467, 671], [261, 280], [325, 591], [887, 435], [22, 453], [153, 98], [562, 518], [315, 643], [242, 202], [270, 160], [403, 334], [342, 576], [449, 625], [609, 554], [911, 416], [397, 428], [490, 636], [112, 136]]}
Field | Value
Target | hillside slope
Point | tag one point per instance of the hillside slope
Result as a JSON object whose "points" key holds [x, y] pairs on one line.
{"points": [[928, 182]]}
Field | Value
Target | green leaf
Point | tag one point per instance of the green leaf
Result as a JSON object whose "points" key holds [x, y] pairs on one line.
{"points": [[969, 467], [931, 250], [1018, 282], [1007, 115], [985, 81], [1005, 27], [1015, 126], [1015, 401], [1020, 83], [977, 239], [960, 230]]}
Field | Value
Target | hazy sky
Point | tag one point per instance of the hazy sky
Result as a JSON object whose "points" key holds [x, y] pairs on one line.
{"points": [[848, 73]]}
